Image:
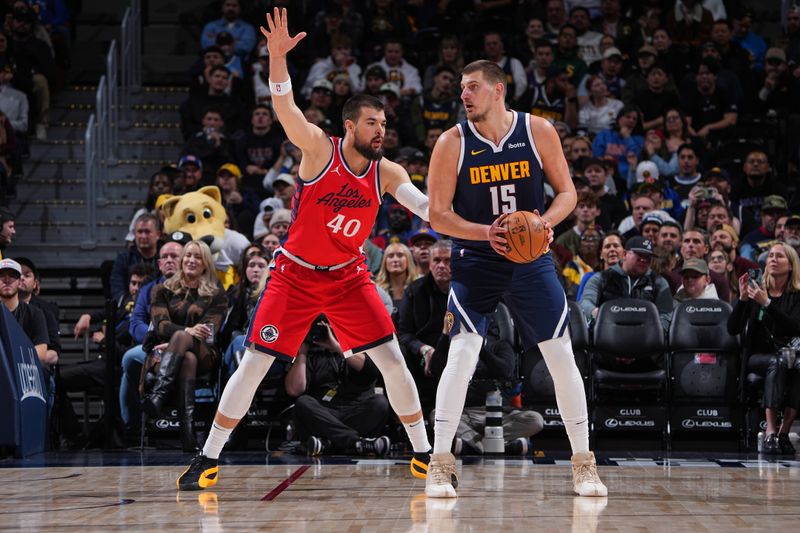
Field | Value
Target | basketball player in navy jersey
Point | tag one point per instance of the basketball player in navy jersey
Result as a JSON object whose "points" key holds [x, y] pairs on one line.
{"points": [[321, 268], [492, 164]]}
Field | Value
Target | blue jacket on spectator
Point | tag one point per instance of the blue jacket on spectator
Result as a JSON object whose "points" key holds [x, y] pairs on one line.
{"points": [[242, 32], [122, 265], [611, 142], [51, 12], [140, 317]]}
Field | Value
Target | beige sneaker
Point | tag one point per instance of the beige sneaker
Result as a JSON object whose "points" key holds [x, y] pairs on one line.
{"points": [[585, 481], [442, 478]]}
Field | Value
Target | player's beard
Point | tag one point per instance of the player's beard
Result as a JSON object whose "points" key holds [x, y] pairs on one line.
{"points": [[367, 151]]}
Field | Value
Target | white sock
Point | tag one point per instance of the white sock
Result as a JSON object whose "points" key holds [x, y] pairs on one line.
{"points": [[570, 394], [401, 390], [216, 440], [452, 391]]}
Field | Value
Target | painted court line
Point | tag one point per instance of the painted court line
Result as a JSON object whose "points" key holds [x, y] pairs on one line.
{"points": [[283, 485]]}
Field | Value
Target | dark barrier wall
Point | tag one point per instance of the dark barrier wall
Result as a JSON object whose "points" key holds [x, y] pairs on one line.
{"points": [[23, 404]]}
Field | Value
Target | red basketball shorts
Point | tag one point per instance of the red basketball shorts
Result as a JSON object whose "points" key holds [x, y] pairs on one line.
{"points": [[296, 295]]}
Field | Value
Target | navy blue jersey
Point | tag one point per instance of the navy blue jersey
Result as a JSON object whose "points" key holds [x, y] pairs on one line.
{"points": [[495, 179]]}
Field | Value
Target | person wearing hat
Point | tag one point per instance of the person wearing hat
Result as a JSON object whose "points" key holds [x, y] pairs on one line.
{"points": [[772, 207], [267, 208], [321, 96], [31, 319], [636, 80], [279, 223], [724, 238], [420, 243], [771, 88], [284, 188], [647, 177], [340, 60], [374, 77], [7, 229], [598, 112], [29, 287], [610, 69], [650, 226], [258, 149], [556, 99], [241, 203], [242, 33], [630, 278], [192, 168], [696, 283]]}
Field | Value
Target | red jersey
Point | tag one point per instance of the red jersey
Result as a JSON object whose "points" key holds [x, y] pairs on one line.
{"points": [[334, 213]]}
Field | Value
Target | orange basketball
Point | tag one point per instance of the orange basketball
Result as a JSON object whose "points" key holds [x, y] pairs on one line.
{"points": [[526, 236]]}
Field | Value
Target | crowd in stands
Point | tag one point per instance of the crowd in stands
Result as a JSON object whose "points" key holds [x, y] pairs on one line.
{"points": [[650, 100]]}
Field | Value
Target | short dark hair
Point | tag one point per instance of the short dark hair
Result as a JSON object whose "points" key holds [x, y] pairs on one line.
{"points": [[141, 269], [589, 198], [686, 146], [214, 109], [223, 68], [265, 107], [491, 72], [542, 43], [352, 107], [148, 217]]}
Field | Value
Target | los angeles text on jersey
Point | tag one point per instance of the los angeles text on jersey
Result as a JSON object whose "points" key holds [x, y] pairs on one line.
{"points": [[514, 170], [347, 196]]}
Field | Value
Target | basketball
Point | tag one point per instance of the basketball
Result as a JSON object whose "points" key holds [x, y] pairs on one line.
{"points": [[526, 235]]}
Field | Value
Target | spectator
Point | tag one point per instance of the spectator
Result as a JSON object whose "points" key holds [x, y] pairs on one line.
{"points": [[438, 106], [708, 108], [636, 81], [397, 272], [630, 278], [556, 100], [336, 407], [7, 229], [260, 75], [676, 59], [160, 183], [611, 252], [267, 208], [449, 55], [340, 61], [725, 239], [270, 242], [322, 96], [191, 167], [614, 23], [771, 90], [696, 283], [769, 312], [398, 70], [29, 287], [641, 204], [232, 61], [284, 188], [420, 243], [656, 97], [567, 54], [611, 209], [244, 35], [754, 242], [732, 55], [200, 72], [624, 137], [695, 244], [650, 227], [133, 359], [585, 260], [609, 71], [748, 194], [187, 310], [516, 80], [30, 319], [147, 229], [670, 237], [34, 61], [399, 227], [279, 223], [193, 110], [13, 103], [555, 18], [588, 39], [586, 212], [240, 202], [689, 23], [211, 145], [599, 112], [688, 175], [330, 23], [257, 150], [537, 69], [719, 262]]}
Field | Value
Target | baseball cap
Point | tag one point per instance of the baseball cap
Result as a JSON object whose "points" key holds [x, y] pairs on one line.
{"points": [[323, 84], [10, 264], [648, 185], [390, 87], [640, 245], [423, 233], [696, 264], [793, 220], [268, 205], [376, 72], [288, 179], [280, 216], [671, 222], [24, 261], [409, 153], [648, 49], [774, 202], [652, 219], [646, 171], [717, 172], [181, 237], [224, 37], [775, 53], [230, 167], [611, 52], [190, 159], [343, 76]]}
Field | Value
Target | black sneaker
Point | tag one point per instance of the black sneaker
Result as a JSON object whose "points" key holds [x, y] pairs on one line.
{"points": [[201, 474], [785, 445], [517, 446], [373, 446], [317, 446], [419, 464], [770, 446]]}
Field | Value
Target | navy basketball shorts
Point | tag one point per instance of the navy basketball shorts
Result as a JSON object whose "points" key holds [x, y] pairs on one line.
{"points": [[531, 291]]}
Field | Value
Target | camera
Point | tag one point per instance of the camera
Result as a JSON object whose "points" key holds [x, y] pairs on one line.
{"points": [[708, 192], [319, 329], [755, 275]]}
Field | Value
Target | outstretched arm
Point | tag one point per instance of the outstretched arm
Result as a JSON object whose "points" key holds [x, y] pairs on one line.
{"points": [[302, 133], [395, 181]]}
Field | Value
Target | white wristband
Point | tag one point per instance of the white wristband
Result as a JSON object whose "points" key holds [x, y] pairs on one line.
{"points": [[280, 89]]}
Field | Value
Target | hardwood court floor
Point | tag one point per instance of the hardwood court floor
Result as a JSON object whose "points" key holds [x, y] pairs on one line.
{"points": [[134, 492]]}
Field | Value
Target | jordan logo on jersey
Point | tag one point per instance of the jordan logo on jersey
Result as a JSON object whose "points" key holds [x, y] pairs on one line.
{"points": [[337, 170], [346, 197]]}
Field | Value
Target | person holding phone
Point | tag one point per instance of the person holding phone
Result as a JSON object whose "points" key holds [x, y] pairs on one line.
{"points": [[768, 308]]}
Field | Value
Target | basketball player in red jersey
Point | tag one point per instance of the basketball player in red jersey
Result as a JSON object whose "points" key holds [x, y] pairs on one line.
{"points": [[321, 267]]}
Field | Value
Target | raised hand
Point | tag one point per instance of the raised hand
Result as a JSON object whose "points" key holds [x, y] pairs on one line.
{"points": [[279, 42]]}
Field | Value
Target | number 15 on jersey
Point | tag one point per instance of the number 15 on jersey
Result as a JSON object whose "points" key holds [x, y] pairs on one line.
{"points": [[503, 199]]}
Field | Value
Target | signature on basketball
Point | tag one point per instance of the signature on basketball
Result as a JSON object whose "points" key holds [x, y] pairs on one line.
{"points": [[346, 197]]}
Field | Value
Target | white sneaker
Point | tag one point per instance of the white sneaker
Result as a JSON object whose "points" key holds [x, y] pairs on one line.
{"points": [[41, 132], [585, 481], [442, 478]]}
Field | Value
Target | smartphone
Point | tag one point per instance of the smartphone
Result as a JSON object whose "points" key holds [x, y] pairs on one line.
{"points": [[755, 276]]}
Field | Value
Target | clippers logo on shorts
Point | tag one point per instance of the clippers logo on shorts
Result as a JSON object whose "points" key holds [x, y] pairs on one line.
{"points": [[268, 334]]}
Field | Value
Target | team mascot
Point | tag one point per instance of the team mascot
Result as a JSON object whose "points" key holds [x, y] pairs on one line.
{"points": [[201, 215]]}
